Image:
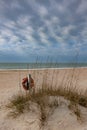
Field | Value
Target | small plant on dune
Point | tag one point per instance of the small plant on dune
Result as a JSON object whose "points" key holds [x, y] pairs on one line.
{"points": [[54, 104], [75, 108], [43, 115], [83, 101], [39, 98], [18, 104]]}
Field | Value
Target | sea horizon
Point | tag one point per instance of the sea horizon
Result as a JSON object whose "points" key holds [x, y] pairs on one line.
{"points": [[25, 66]]}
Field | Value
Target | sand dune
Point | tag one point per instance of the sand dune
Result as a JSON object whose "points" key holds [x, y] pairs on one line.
{"points": [[62, 118]]}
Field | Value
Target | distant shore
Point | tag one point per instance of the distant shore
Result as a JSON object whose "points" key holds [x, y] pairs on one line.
{"points": [[43, 69], [40, 65]]}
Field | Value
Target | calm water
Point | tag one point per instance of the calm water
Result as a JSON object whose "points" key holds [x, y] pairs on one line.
{"points": [[40, 65]]}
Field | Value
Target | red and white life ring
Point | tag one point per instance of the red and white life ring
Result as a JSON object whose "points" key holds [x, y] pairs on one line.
{"points": [[25, 83]]}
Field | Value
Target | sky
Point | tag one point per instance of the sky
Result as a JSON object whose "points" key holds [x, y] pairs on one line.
{"points": [[43, 28]]}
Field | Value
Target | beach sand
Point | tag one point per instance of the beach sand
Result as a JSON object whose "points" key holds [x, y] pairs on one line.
{"points": [[54, 77], [10, 84]]}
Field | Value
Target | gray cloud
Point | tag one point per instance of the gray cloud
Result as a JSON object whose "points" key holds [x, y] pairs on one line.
{"points": [[41, 27]]}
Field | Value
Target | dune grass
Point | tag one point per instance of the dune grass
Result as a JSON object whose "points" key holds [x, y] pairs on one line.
{"points": [[75, 109], [18, 104]]}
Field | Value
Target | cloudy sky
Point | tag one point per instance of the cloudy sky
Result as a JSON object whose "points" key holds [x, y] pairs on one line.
{"points": [[54, 28]]}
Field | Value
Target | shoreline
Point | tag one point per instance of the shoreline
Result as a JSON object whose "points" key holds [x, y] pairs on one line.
{"points": [[43, 69]]}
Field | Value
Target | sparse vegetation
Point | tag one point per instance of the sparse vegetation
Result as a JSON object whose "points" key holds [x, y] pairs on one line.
{"points": [[75, 109], [54, 104], [19, 103], [66, 89]]}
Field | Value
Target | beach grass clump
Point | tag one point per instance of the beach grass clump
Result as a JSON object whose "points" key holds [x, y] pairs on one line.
{"points": [[83, 101], [18, 103], [71, 94], [54, 103], [75, 109], [43, 114], [77, 97]]}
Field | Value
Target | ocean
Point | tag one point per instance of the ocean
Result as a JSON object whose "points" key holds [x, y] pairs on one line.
{"points": [[40, 65]]}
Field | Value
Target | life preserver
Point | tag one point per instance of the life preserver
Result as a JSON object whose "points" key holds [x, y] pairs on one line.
{"points": [[26, 85]]}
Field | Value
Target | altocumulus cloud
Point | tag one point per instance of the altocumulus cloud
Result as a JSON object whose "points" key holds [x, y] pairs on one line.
{"points": [[55, 28]]}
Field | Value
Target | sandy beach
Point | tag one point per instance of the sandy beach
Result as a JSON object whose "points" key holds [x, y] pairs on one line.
{"points": [[10, 84], [56, 77]]}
